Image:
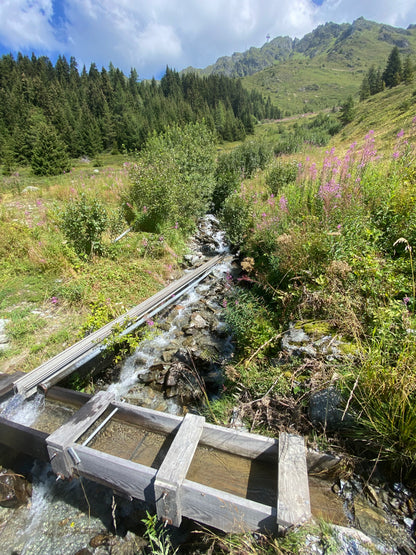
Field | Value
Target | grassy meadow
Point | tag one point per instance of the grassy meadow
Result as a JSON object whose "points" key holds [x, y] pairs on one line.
{"points": [[326, 232], [327, 236], [49, 294]]}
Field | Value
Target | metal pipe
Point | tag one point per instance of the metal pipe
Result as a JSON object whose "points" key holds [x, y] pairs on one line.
{"points": [[66, 367], [100, 427]]}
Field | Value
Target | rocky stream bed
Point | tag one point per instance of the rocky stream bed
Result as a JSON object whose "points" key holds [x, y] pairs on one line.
{"points": [[172, 372]]}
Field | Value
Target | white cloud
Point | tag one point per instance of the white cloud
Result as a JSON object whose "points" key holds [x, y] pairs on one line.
{"points": [[150, 34], [398, 13], [25, 23]]}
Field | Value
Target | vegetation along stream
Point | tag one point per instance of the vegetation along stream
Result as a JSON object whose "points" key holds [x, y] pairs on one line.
{"points": [[307, 327]]}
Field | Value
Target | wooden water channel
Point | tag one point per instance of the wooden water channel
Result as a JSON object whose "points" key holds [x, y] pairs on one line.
{"points": [[181, 466]]}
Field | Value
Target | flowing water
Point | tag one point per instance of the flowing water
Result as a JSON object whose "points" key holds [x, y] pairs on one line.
{"points": [[63, 516]]}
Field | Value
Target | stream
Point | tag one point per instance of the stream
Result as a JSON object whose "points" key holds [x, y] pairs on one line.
{"points": [[79, 517]]}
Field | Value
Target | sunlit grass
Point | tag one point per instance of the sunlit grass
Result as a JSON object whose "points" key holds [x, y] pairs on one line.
{"points": [[45, 288]]}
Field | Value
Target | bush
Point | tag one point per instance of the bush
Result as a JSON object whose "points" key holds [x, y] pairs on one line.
{"points": [[173, 180], [236, 219], [83, 223], [282, 173], [236, 165]]}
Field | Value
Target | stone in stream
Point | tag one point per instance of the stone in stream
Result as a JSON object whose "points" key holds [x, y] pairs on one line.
{"points": [[14, 490]]}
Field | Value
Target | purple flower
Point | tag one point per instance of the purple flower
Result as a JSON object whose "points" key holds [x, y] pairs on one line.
{"points": [[283, 203], [400, 133], [406, 300], [396, 155], [150, 322], [54, 300]]}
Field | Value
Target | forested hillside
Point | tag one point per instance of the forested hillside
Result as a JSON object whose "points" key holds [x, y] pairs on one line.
{"points": [[49, 112]]}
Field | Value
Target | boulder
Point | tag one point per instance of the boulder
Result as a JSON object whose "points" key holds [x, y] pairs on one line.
{"points": [[14, 490], [326, 410]]}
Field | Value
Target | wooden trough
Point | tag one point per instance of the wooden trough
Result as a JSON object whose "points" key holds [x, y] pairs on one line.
{"points": [[184, 467]]}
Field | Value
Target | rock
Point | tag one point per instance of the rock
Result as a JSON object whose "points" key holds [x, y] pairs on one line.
{"points": [[14, 490], [325, 410], [297, 342], [99, 540], [4, 340], [197, 321], [129, 545], [30, 188], [353, 542], [321, 463]]}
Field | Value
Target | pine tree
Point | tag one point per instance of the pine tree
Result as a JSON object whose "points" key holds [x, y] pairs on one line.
{"points": [[49, 155], [392, 74], [365, 89], [347, 111]]}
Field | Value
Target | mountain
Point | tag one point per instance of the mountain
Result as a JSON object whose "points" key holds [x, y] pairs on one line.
{"points": [[241, 64], [320, 70]]}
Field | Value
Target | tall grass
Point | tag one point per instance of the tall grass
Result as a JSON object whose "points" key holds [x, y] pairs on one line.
{"points": [[333, 244]]}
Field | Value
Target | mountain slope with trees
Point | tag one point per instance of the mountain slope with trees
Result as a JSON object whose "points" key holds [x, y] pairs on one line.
{"points": [[46, 108]]}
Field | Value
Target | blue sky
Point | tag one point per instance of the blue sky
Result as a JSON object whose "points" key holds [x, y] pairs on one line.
{"points": [[150, 34]]}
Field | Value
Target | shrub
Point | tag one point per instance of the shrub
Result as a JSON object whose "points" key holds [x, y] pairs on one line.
{"points": [[236, 219], [280, 174], [236, 165], [83, 223], [173, 179]]}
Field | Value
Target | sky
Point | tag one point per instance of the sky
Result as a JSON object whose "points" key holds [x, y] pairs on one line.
{"points": [[151, 34]]}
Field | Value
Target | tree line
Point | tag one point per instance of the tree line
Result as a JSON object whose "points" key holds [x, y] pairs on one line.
{"points": [[49, 113], [395, 72]]}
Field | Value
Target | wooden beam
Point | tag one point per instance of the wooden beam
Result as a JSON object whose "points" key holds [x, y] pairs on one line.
{"points": [[149, 419], [6, 382], [244, 444], [225, 511], [24, 439], [127, 477], [173, 470], [293, 500], [60, 441]]}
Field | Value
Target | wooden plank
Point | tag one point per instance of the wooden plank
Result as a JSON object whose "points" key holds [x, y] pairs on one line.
{"points": [[173, 470], [23, 439], [81, 420], [68, 396], [149, 419], [244, 444], [129, 478], [225, 511], [293, 501], [6, 382], [60, 441]]}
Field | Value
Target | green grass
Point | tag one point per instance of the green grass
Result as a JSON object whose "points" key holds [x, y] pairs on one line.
{"points": [[45, 288], [328, 70]]}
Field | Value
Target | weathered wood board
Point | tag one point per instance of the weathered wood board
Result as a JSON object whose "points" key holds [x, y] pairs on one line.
{"points": [[174, 468], [293, 501], [167, 487]]}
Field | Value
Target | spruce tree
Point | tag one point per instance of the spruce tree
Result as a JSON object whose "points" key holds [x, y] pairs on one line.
{"points": [[49, 155], [392, 74]]}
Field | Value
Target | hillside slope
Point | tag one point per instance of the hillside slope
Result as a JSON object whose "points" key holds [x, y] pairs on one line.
{"points": [[320, 70]]}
